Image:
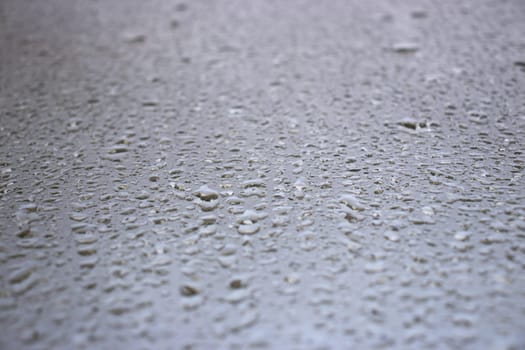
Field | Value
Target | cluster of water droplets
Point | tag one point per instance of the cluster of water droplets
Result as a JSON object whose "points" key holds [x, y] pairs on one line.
{"points": [[364, 194]]}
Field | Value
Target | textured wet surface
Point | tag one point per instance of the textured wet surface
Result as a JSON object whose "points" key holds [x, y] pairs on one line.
{"points": [[262, 174]]}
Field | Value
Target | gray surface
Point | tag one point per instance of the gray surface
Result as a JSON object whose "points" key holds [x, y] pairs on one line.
{"points": [[262, 174]]}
